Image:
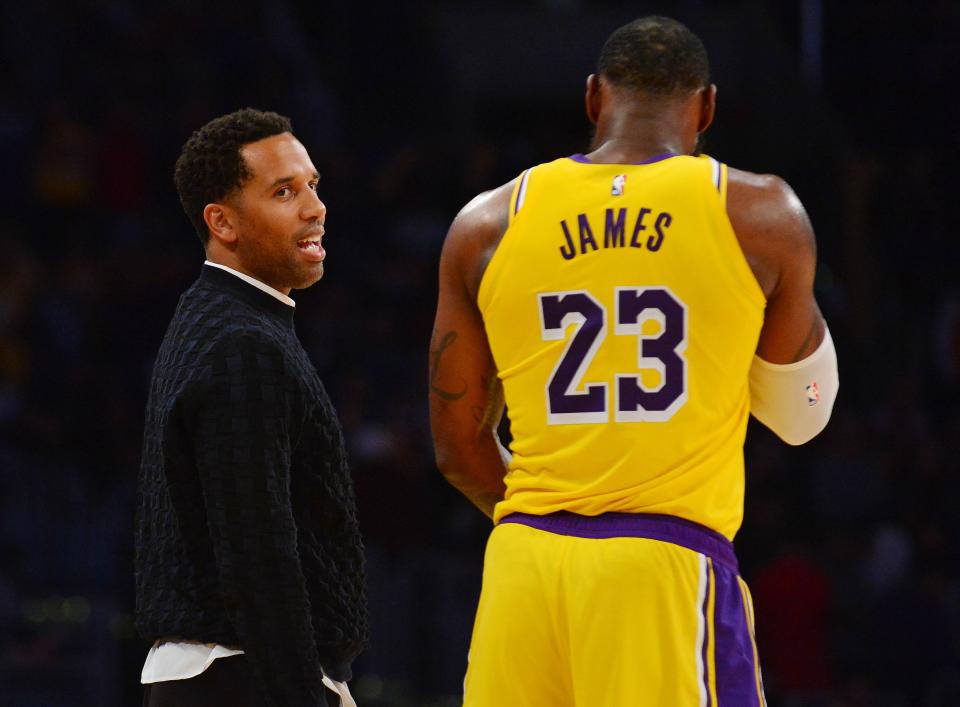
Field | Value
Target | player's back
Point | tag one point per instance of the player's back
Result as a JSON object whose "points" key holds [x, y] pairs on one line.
{"points": [[623, 318]]}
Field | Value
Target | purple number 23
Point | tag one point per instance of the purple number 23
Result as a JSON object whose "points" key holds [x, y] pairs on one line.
{"points": [[662, 352]]}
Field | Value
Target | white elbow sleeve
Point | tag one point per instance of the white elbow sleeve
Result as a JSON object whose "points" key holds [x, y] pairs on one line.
{"points": [[795, 399]]}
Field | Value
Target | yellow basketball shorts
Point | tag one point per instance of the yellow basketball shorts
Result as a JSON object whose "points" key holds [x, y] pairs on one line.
{"points": [[616, 610]]}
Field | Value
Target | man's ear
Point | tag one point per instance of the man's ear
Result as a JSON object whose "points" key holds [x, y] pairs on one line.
{"points": [[591, 98], [708, 107], [220, 220]]}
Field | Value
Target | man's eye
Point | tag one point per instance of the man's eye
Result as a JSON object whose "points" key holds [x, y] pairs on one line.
{"points": [[313, 185], [283, 192]]}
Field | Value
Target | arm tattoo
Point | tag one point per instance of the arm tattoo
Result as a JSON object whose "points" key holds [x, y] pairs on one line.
{"points": [[447, 395], [493, 410]]}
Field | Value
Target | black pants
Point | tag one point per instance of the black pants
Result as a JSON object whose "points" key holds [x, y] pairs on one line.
{"points": [[226, 682]]}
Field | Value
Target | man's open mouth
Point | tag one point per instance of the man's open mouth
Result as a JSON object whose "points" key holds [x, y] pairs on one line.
{"points": [[309, 244]]}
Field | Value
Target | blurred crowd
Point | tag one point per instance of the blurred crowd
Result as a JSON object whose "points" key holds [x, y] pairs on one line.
{"points": [[850, 543]]}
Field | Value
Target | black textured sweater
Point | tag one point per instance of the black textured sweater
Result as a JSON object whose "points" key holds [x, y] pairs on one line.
{"points": [[246, 531]]}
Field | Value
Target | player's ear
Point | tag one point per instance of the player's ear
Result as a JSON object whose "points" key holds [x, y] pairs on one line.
{"points": [[591, 98], [220, 222], [708, 107]]}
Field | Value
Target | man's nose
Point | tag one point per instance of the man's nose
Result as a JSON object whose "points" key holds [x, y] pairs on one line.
{"points": [[313, 208]]}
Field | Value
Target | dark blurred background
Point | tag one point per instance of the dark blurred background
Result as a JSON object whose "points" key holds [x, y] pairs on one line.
{"points": [[850, 543]]}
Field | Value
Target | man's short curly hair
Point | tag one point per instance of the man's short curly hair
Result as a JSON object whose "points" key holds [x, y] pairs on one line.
{"points": [[210, 165], [657, 56]]}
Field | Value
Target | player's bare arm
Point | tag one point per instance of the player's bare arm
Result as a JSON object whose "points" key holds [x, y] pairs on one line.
{"points": [[778, 240], [793, 380], [466, 398]]}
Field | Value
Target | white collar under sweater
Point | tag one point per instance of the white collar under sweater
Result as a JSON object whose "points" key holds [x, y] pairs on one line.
{"points": [[255, 282]]}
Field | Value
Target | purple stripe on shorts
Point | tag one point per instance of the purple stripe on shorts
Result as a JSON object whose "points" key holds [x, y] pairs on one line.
{"points": [[707, 631], [579, 157], [735, 663], [670, 529]]}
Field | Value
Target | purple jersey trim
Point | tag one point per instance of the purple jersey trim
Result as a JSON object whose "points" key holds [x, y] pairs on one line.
{"points": [[671, 529], [583, 159], [521, 192], [717, 173]]}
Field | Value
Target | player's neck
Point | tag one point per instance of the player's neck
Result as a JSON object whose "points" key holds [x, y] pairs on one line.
{"points": [[638, 132], [632, 149]]}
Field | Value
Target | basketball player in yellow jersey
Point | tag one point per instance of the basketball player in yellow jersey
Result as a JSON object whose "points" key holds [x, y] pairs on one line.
{"points": [[632, 306]]}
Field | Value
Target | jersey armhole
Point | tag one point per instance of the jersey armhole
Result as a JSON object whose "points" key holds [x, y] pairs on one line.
{"points": [[720, 176], [518, 195]]}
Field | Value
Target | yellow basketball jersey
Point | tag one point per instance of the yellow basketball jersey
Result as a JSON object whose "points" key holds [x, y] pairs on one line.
{"points": [[623, 318]]}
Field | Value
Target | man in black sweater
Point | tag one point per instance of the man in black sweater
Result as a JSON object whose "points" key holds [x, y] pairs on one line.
{"points": [[249, 564]]}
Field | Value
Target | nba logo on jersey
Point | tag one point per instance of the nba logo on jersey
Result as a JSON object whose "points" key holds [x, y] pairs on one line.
{"points": [[619, 182], [813, 394]]}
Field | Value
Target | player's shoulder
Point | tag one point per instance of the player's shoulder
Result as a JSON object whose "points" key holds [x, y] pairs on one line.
{"points": [[766, 205], [475, 234], [487, 209], [482, 222], [493, 207], [770, 191], [771, 225]]}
